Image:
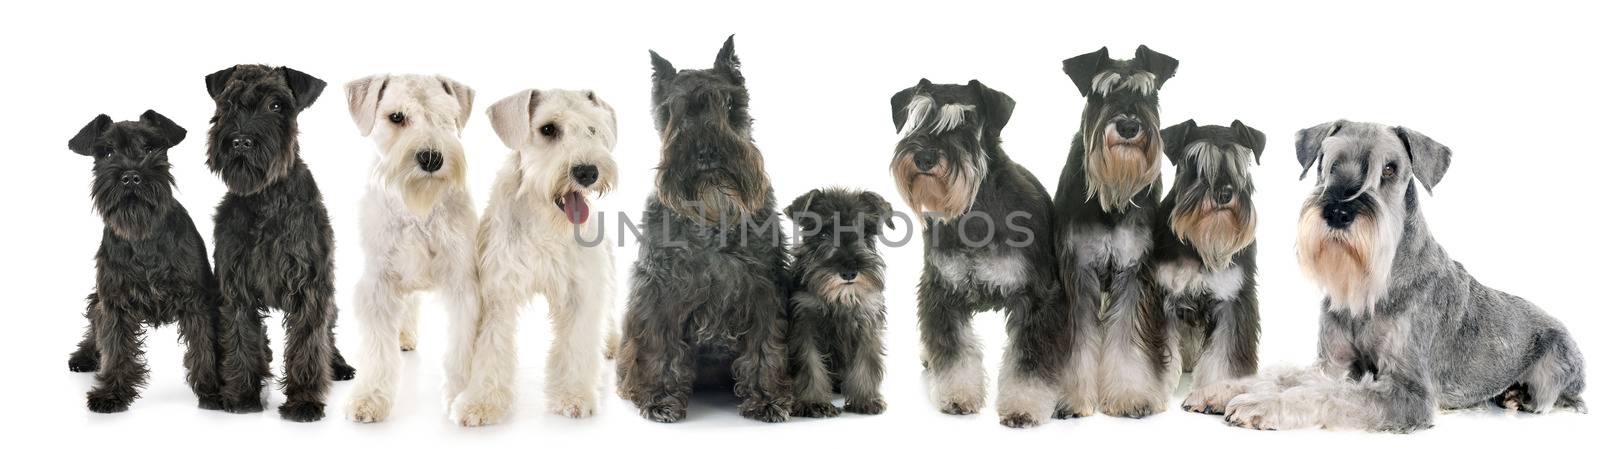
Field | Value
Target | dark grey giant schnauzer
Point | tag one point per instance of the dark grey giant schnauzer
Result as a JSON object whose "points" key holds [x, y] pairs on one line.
{"points": [[708, 289], [274, 243], [1105, 206], [986, 246], [151, 268]]}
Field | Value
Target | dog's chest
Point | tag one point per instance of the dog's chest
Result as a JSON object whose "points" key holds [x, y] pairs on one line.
{"points": [[1002, 273], [1189, 278], [1103, 248]]}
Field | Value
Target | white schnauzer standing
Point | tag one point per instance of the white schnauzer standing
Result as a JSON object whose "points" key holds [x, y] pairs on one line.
{"points": [[417, 224], [536, 238]]}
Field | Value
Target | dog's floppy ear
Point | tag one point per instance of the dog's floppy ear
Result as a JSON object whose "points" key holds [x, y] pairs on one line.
{"points": [[995, 106], [306, 88], [1175, 138], [1082, 68], [878, 210], [801, 206], [1429, 159], [1162, 66], [1250, 138], [462, 94], [512, 118], [897, 103], [728, 63], [1308, 144], [170, 131], [215, 82], [363, 96], [83, 143]]}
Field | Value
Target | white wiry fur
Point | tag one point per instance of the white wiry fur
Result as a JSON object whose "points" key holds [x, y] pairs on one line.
{"points": [[920, 114], [1106, 82], [527, 246], [418, 231]]}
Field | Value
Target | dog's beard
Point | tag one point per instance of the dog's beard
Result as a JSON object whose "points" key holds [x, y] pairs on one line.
{"points": [[1350, 265], [713, 196], [946, 191], [824, 281], [249, 174], [421, 191], [133, 216], [1215, 233], [1116, 170]]}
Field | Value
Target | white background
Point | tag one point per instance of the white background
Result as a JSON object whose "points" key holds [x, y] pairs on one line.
{"points": [[1510, 90]]}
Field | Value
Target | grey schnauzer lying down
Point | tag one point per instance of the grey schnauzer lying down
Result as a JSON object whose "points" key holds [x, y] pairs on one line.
{"points": [[1405, 329]]}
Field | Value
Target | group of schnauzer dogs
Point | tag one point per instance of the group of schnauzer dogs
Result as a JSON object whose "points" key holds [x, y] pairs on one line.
{"points": [[1109, 291]]}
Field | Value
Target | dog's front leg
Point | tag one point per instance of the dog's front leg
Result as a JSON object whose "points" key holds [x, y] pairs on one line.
{"points": [[1229, 354], [199, 325], [1080, 389], [491, 391], [308, 356], [812, 383], [864, 376], [86, 359], [1034, 357], [245, 360], [464, 310], [952, 357], [381, 308], [1133, 359], [122, 366], [572, 372], [1398, 398], [761, 370], [655, 368]]}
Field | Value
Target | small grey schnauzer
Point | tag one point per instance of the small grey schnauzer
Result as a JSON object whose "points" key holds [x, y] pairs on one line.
{"points": [[1405, 329], [836, 316]]}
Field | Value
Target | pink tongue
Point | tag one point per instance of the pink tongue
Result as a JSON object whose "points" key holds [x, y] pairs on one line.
{"points": [[577, 208]]}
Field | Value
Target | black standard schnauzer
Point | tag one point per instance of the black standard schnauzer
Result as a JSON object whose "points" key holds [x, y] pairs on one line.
{"points": [[151, 267], [274, 243], [836, 316], [709, 287], [1204, 261], [986, 246], [1105, 209]]}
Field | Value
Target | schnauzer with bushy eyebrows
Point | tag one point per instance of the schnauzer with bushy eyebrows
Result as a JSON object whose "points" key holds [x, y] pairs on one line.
{"points": [[1405, 330], [151, 268], [274, 242], [1204, 260], [1105, 206], [986, 246], [837, 312], [709, 289]]}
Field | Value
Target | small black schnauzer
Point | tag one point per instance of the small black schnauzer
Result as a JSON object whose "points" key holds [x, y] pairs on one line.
{"points": [[986, 246], [1105, 209], [151, 267], [837, 311], [1204, 262], [274, 243], [709, 287]]}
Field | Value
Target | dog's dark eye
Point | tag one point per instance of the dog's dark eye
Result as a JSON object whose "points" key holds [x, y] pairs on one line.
{"points": [[397, 118], [548, 130], [1389, 169], [275, 106]]}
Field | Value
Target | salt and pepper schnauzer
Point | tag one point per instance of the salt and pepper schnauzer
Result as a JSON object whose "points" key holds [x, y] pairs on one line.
{"points": [[837, 311], [274, 245], [418, 227], [986, 246], [151, 268], [1105, 208], [1405, 330], [709, 288], [537, 238], [1204, 260]]}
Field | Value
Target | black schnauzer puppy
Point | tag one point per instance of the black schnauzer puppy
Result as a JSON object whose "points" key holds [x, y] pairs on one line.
{"points": [[986, 246], [151, 267], [709, 287], [274, 243], [1204, 262], [837, 311], [1105, 210]]}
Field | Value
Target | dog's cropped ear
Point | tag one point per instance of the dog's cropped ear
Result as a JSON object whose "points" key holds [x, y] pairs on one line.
{"points": [[216, 82], [878, 210], [512, 118], [1308, 144], [801, 208], [728, 62], [463, 95], [306, 88], [995, 106], [83, 143], [1175, 138], [1250, 138], [1429, 159], [611, 114], [363, 96], [1162, 66], [1082, 68], [661, 68], [898, 103], [170, 131]]}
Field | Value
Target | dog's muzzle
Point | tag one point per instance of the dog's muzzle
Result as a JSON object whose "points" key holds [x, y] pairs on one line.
{"points": [[241, 142], [585, 174], [430, 161], [925, 160], [1128, 128]]}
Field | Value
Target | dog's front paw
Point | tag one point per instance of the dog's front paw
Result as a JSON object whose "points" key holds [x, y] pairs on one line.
{"points": [[579, 404], [1212, 399], [474, 409], [1134, 407], [211, 401], [873, 406], [1255, 411], [665, 409], [368, 408], [342, 371], [773, 411], [242, 405], [107, 401], [301, 411], [408, 341], [963, 402], [1019, 420], [84, 362], [815, 410]]}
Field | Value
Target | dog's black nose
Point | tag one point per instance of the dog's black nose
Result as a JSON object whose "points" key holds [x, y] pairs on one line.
{"points": [[1339, 215], [243, 143], [706, 157], [1128, 129], [585, 174], [1224, 195], [926, 160], [430, 161], [847, 275], [131, 178]]}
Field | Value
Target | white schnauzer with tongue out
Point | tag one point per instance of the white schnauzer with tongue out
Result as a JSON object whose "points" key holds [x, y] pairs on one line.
{"points": [[537, 237]]}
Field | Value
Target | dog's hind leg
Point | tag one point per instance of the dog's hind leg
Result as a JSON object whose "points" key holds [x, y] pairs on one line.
{"points": [[199, 325], [1554, 375], [122, 366], [572, 372], [86, 359], [1133, 359], [1229, 353], [308, 356], [408, 323], [952, 357], [382, 309], [1034, 357]]}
